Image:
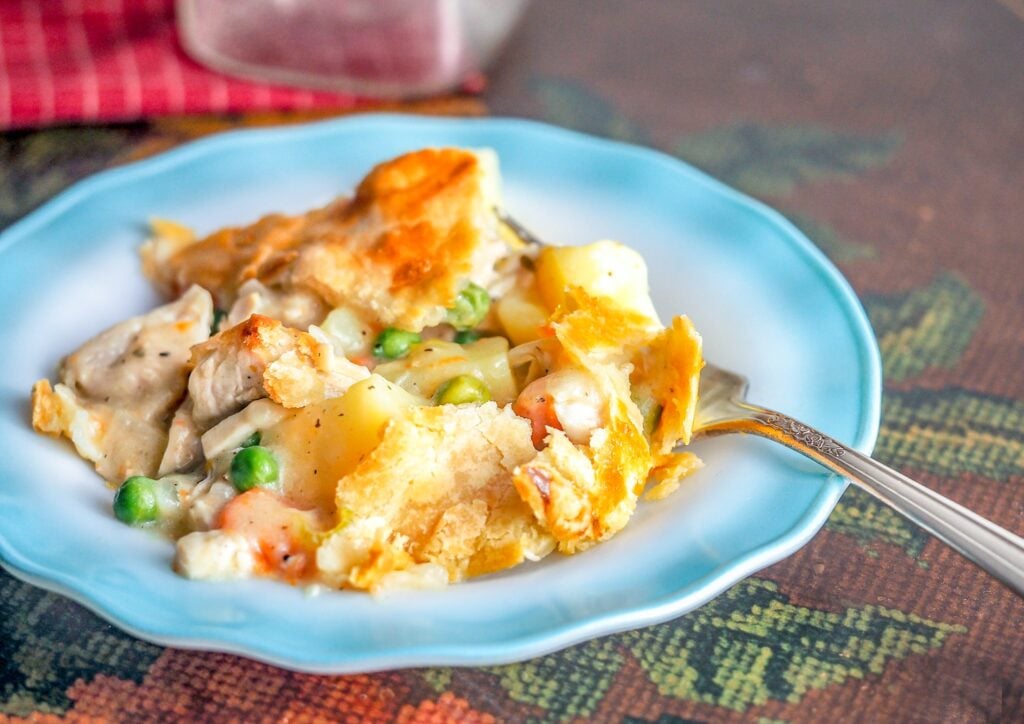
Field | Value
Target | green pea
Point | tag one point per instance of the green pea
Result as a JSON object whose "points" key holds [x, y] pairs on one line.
{"points": [[466, 336], [394, 343], [470, 307], [461, 390], [136, 501], [253, 466], [252, 440]]}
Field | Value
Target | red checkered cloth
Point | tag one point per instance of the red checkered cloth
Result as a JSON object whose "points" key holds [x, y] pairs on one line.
{"points": [[66, 61]]}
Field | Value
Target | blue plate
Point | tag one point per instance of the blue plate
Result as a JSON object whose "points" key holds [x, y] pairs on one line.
{"points": [[766, 300]]}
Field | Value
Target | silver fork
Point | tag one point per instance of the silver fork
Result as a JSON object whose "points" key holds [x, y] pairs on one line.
{"points": [[722, 408]]}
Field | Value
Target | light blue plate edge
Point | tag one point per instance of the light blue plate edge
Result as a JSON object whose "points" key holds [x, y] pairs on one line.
{"points": [[667, 607]]}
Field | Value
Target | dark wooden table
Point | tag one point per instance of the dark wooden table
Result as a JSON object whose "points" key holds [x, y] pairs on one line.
{"points": [[893, 134]]}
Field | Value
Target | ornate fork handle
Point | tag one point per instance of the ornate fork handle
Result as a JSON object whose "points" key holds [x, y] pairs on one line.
{"points": [[995, 549], [804, 434]]}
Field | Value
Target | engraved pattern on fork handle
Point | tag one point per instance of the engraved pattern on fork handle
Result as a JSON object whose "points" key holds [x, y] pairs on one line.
{"points": [[805, 434]]}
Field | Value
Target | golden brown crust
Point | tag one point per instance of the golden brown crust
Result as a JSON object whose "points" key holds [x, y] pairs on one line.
{"points": [[440, 483], [585, 494], [557, 485], [224, 260], [381, 559], [45, 410], [419, 227], [406, 188], [596, 330], [668, 470], [670, 370]]}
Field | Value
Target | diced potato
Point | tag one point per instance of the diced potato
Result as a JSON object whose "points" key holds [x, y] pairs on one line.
{"points": [[350, 335], [434, 362], [521, 313], [322, 443], [602, 269]]}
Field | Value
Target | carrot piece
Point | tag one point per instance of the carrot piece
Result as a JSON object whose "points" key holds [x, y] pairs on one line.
{"points": [[280, 535]]}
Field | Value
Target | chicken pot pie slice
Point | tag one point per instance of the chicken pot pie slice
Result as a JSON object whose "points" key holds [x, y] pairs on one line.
{"points": [[398, 393]]}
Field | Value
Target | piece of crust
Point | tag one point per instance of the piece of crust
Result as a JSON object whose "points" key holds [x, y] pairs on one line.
{"points": [[421, 226], [439, 487], [227, 258], [669, 368], [585, 494], [596, 330], [668, 471]]}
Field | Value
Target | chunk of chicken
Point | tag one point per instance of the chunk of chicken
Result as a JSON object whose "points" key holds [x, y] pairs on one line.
{"points": [[141, 362], [184, 449], [263, 358], [569, 399], [298, 308], [232, 431], [118, 442], [117, 391]]}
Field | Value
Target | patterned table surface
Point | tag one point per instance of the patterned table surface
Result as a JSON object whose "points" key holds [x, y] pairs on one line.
{"points": [[893, 135]]}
